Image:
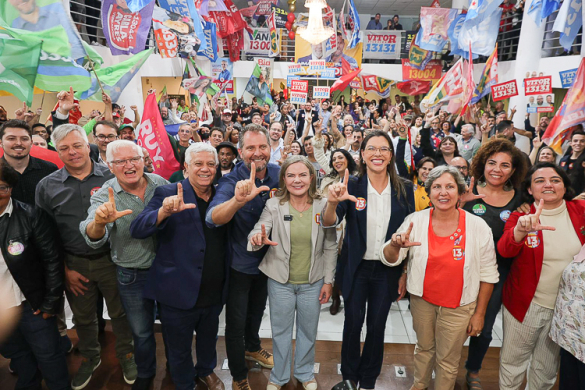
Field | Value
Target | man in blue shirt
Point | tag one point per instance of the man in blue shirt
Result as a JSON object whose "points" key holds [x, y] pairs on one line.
{"points": [[224, 75], [238, 202], [374, 24]]}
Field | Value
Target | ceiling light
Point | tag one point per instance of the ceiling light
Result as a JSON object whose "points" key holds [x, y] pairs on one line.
{"points": [[315, 32]]}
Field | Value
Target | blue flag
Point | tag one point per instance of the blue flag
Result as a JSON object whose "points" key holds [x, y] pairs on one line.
{"points": [[354, 19], [477, 7], [211, 41], [137, 5], [454, 31], [569, 21], [187, 8], [481, 31], [541, 9]]}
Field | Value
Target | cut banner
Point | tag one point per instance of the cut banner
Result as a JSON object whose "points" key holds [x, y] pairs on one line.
{"points": [[258, 86], [18, 68], [449, 87], [125, 31], [153, 136], [489, 77], [434, 26], [376, 84]]}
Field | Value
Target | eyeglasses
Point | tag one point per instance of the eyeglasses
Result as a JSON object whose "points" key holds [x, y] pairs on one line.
{"points": [[462, 168], [110, 137], [122, 163], [4, 190], [382, 150]]}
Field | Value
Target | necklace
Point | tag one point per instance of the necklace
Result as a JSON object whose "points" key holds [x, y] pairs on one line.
{"points": [[301, 211]]}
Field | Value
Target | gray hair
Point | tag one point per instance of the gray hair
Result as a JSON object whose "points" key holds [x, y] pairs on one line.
{"points": [[199, 147], [440, 171], [469, 127], [254, 128], [114, 146], [63, 131]]}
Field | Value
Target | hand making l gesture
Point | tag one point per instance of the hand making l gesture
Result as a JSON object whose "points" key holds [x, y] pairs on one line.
{"points": [[107, 212], [175, 204], [402, 240], [338, 191], [530, 223], [246, 190], [261, 238]]}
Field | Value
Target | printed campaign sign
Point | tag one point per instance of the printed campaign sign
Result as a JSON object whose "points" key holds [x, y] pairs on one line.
{"points": [[298, 91], [295, 68], [316, 66], [541, 103], [433, 71], [290, 78], [321, 92], [504, 90], [382, 44], [568, 77], [258, 41], [328, 73], [538, 85]]}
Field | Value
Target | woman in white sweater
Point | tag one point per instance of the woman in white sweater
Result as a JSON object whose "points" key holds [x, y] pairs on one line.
{"points": [[451, 272]]}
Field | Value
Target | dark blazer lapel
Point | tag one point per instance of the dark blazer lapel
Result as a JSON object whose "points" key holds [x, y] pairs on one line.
{"points": [[362, 216], [396, 214], [189, 197]]}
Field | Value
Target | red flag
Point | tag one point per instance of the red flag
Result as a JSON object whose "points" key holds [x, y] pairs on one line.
{"points": [[153, 136], [228, 22], [345, 66], [470, 84], [414, 87], [436, 4], [571, 112], [235, 43], [341, 83], [43, 154]]}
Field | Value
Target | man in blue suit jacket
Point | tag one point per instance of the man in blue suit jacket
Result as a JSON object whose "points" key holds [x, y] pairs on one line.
{"points": [[188, 277]]}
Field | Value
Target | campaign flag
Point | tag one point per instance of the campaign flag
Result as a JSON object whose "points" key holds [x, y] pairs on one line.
{"points": [[436, 4], [341, 83], [504, 90], [449, 87], [350, 24], [210, 33], [125, 31], [571, 113], [114, 78], [222, 73], [414, 87], [44, 19], [235, 43], [568, 77], [205, 6], [274, 35], [162, 93], [538, 85], [434, 27], [175, 34], [432, 71], [478, 7], [454, 31], [569, 21], [187, 8], [539, 10], [417, 56], [382, 44], [376, 84], [489, 77], [258, 86], [469, 83], [281, 16], [298, 91], [137, 5], [153, 136], [18, 68], [228, 21], [481, 31]]}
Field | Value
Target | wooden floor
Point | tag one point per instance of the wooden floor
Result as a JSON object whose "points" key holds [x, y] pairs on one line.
{"points": [[328, 354]]}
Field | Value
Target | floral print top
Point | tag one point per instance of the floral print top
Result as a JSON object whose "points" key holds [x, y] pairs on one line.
{"points": [[569, 316]]}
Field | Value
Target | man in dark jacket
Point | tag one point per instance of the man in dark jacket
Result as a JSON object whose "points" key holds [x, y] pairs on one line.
{"points": [[31, 278]]}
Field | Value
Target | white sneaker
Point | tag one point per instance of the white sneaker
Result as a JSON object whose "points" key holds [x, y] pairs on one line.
{"points": [[273, 386], [310, 385]]}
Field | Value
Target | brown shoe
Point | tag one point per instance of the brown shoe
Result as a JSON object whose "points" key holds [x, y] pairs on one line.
{"points": [[262, 357], [241, 385], [212, 382]]}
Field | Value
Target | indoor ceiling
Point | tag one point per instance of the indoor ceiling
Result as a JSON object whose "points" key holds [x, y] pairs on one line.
{"points": [[384, 7]]}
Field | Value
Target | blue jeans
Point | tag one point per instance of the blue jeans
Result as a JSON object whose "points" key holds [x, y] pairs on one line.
{"points": [[371, 285], [178, 328], [284, 300], [34, 349], [140, 313], [479, 345]]}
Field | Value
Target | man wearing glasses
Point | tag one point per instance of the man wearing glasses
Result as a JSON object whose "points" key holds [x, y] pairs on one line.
{"points": [[104, 132], [113, 208], [65, 195]]}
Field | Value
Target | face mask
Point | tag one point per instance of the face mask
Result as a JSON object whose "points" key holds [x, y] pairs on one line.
{"points": [[205, 136]]}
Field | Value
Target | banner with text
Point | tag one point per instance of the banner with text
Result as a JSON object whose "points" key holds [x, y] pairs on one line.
{"points": [[432, 71], [568, 77], [257, 42], [125, 31], [298, 91], [321, 92], [504, 90], [382, 44], [537, 85], [174, 34]]}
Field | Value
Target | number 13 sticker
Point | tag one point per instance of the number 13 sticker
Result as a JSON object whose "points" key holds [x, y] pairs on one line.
{"points": [[532, 240]]}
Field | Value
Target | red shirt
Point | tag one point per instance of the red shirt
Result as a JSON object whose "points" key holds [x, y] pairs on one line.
{"points": [[443, 285], [43, 154]]}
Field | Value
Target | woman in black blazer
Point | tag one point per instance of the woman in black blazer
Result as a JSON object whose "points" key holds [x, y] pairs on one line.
{"points": [[374, 205]]}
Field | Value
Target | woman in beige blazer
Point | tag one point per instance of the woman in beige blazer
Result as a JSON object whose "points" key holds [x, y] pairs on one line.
{"points": [[300, 265]]}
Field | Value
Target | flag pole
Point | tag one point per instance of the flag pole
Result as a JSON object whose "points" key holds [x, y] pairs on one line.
{"points": [[43, 99], [96, 76]]}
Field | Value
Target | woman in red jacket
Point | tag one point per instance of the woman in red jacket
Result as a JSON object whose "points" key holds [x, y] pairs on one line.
{"points": [[542, 244]]}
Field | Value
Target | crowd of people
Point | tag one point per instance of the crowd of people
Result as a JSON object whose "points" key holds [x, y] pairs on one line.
{"points": [[363, 203]]}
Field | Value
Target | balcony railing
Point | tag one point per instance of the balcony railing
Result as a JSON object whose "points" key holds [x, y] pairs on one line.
{"points": [[551, 47]]}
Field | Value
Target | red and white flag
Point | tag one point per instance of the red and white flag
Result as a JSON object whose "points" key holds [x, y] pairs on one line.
{"points": [[153, 136], [469, 83]]}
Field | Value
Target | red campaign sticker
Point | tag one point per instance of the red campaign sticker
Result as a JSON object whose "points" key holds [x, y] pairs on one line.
{"points": [[94, 190], [360, 204], [273, 192], [458, 253], [532, 240], [318, 218]]}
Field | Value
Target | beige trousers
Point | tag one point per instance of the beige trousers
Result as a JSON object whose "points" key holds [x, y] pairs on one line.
{"points": [[440, 333]]}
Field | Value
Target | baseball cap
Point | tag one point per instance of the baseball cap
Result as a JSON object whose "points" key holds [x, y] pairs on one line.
{"points": [[227, 111], [407, 117], [115, 115], [226, 144]]}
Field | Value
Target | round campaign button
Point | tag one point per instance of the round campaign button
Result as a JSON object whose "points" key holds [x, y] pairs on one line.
{"points": [[15, 248], [479, 209], [504, 215], [532, 240], [360, 204]]}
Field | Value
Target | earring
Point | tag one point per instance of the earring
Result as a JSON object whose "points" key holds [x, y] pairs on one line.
{"points": [[508, 186], [481, 182]]}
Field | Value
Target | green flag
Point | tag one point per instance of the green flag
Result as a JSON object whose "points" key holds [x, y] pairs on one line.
{"points": [[257, 86], [18, 68], [114, 78]]}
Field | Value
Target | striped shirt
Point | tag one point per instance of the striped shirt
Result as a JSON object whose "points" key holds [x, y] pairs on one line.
{"points": [[126, 251]]}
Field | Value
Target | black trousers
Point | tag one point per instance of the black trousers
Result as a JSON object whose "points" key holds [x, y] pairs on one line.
{"points": [[572, 373]]}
